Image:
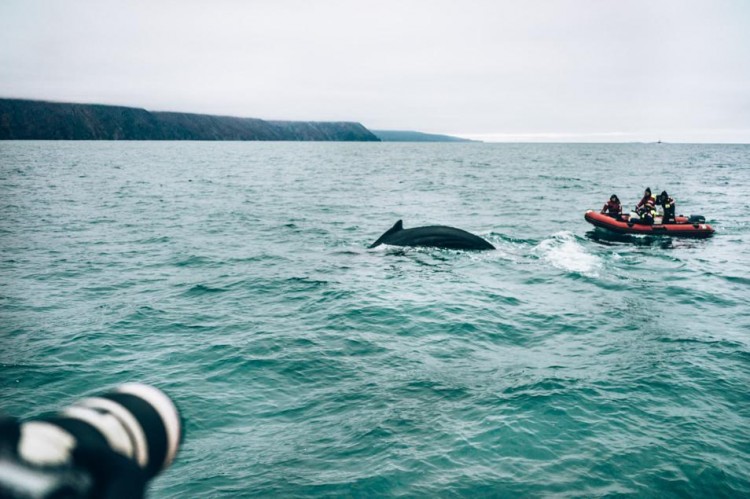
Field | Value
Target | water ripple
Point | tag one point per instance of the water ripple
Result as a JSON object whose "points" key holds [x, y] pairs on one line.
{"points": [[237, 277]]}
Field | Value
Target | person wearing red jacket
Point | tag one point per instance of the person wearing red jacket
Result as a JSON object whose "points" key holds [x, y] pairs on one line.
{"points": [[646, 207], [646, 199], [613, 208]]}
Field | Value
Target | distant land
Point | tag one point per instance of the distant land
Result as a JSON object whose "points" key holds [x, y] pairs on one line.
{"points": [[408, 136], [22, 119]]}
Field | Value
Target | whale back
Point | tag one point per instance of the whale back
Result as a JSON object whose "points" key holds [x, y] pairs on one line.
{"points": [[434, 236]]}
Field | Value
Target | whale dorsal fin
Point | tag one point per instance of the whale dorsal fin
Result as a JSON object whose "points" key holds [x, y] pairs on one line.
{"points": [[398, 226]]}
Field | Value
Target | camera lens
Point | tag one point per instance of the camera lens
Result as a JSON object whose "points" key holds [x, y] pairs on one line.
{"points": [[138, 421], [110, 443]]}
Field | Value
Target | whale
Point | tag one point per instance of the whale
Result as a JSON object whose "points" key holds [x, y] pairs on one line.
{"points": [[432, 236]]}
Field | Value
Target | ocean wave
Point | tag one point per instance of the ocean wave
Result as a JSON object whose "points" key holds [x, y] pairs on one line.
{"points": [[559, 365]]}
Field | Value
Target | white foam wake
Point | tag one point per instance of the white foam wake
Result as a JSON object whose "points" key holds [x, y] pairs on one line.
{"points": [[564, 252]]}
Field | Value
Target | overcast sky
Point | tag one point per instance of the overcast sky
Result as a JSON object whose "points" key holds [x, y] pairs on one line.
{"points": [[566, 70]]}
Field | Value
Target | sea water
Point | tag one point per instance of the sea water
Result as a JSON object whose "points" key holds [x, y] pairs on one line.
{"points": [[236, 277]]}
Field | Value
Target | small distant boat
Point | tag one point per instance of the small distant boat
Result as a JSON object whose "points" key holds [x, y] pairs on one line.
{"points": [[692, 226]]}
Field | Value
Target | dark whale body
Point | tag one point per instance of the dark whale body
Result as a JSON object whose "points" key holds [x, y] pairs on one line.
{"points": [[433, 236]]}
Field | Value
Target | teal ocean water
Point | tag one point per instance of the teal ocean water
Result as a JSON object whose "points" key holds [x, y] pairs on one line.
{"points": [[236, 277]]}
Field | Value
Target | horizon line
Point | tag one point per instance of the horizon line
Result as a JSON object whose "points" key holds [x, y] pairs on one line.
{"points": [[705, 136]]}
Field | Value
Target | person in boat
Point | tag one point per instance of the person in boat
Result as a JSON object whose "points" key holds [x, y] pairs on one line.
{"points": [[647, 197], [646, 208], [613, 208], [669, 206]]}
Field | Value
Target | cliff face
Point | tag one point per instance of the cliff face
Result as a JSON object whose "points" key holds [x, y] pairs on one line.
{"points": [[37, 120]]}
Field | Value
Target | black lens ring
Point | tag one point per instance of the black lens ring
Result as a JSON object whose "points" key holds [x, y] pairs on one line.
{"points": [[153, 428]]}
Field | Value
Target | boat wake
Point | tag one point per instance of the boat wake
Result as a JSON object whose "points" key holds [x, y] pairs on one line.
{"points": [[564, 252]]}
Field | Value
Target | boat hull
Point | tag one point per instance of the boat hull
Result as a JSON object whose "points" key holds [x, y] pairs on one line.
{"points": [[682, 228]]}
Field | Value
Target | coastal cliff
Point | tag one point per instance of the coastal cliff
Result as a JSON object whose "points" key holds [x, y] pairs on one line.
{"points": [[38, 120]]}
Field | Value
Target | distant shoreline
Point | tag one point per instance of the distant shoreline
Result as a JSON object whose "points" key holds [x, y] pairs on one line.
{"points": [[411, 136], [25, 119], [22, 119]]}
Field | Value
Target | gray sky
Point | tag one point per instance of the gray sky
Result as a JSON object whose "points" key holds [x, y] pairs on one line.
{"points": [[565, 70]]}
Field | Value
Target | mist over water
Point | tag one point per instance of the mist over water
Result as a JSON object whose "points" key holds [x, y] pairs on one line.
{"points": [[236, 277]]}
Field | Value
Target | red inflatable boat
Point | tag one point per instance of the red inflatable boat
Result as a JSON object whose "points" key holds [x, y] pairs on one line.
{"points": [[694, 226]]}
